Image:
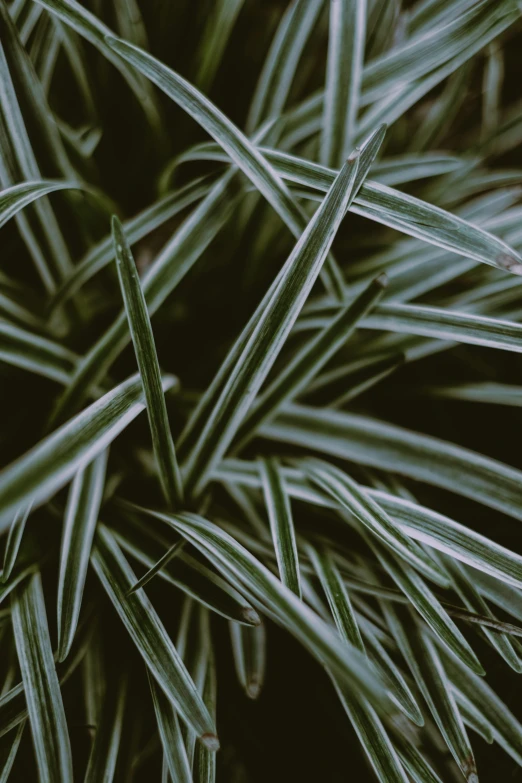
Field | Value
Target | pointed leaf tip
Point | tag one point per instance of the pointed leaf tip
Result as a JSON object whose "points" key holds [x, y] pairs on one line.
{"points": [[211, 742]]}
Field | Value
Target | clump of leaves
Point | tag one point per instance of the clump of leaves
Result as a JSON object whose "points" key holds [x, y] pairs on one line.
{"points": [[313, 291]]}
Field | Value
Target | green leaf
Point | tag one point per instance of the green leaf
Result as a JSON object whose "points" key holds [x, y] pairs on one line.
{"points": [[81, 516], [427, 605], [419, 522], [149, 636], [444, 324], [347, 33], [421, 656], [282, 61], [42, 690], [474, 602], [104, 753], [101, 254], [170, 735], [147, 359], [48, 466], [378, 444], [205, 761], [487, 392], [8, 750], [347, 493], [249, 649], [336, 595], [274, 598], [405, 213], [373, 738], [507, 731], [210, 399], [173, 262], [186, 573], [472, 717], [269, 334], [89, 27], [169, 555], [281, 523], [15, 198], [219, 26], [22, 348], [242, 151], [32, 95], [14, 539], [309, 360]]}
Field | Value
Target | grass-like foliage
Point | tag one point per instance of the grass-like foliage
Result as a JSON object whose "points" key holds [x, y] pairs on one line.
{"points": [[261, 279]]}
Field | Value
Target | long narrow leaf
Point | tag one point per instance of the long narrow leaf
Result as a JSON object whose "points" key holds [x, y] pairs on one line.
{"points": [[281, 524], [147, 359], [379, 444], [271, 595], [42, 690], [81, 516], [310, 359], [49, 465], [271, 331], [249, 649], [347, 34], [349, 495], [149, 636], [14, 539]]}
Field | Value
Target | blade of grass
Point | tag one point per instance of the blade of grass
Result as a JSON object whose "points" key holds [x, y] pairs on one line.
{"points": [[419, 522], [81, 516], [219, 26], [472, 717], [14, 539], [427, 606], [281, 523], [8, 751], [149, 636], [446, 325], [104, 753], [350, 496], [405, 213], [373, 737], [475, 603], [135, 229], [188, 574], [507, 731], [42, 690], [211, 397], [378, 444], [249, 650], [26, 349], [89, 27], [241, 150], [147, 359], [309, 360], [282, 60], [273, 597], [170, 735], [50, 464], [420, 654], [174, 261], [269, 334], [169, 555], [336, 595], [16, 197], [347, 33]]}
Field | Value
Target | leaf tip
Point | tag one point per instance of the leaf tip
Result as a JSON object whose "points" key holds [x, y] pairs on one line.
{"points": [[253, 688], [510, 263], [250, 616], [210, 741]]}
